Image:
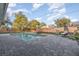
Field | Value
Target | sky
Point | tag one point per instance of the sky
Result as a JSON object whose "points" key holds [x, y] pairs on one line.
{"points": [[45, 12]]}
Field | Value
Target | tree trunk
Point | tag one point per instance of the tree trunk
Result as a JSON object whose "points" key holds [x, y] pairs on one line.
{"points": [[66, 29]]}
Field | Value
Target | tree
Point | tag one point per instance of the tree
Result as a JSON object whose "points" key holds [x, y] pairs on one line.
{"points": [[20, 21], [34, 24], [63, 22], [42, 24]]}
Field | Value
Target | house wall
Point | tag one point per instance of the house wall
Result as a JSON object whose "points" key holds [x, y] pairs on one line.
{"points": [[61, 29], [48, 30], [72, 29]]}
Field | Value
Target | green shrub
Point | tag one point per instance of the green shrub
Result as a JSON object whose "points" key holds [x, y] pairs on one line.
{"points": [[75, 36]]}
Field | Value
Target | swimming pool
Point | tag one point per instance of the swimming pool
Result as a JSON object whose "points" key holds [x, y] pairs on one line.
{"points": [[27, 36]]}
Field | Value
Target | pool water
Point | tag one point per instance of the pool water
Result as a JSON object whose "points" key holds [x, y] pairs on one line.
{"points": [[29, 36]]}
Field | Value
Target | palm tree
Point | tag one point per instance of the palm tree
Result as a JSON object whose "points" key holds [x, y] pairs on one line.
{"points": [[63, 22]]}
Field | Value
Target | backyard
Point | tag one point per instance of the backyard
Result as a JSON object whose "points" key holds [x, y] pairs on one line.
{"points": [[48, 45], [37, 29]]}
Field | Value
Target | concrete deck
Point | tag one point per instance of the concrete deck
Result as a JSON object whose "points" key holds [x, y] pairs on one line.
{"points": [[47, 46]]}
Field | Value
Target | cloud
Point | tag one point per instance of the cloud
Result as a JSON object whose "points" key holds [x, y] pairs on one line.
{"points": [[36, 5], [74, 20], [38, 19], [9, 9], [22, 10], [12, 5], [56, 14], [11, 12], [66, 16], [53, 17], [55, 6], [56, 10], [62, 11]]}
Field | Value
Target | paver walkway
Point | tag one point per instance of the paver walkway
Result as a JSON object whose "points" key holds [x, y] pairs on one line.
{"points": [[47, 46]]}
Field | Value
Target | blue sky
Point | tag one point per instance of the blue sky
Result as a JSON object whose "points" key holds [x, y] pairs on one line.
{"points": [[45, 12]]}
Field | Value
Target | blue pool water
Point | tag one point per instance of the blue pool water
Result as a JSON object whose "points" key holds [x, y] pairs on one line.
{"points": [[29, 36]]}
